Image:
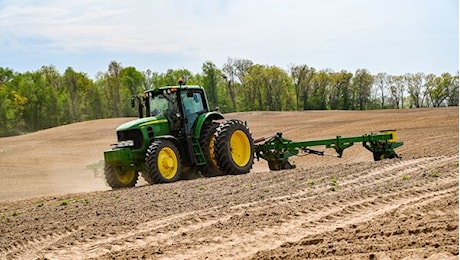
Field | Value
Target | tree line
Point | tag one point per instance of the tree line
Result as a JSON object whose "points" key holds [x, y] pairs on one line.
{"points": [[45, 98]]}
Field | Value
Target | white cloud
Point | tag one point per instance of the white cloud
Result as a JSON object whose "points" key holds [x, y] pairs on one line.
{"points": [[329, 33]]}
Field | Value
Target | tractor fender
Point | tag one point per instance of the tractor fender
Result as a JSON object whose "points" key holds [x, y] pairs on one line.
{"points": [[204, 118], [175, 141], [170, 138]]}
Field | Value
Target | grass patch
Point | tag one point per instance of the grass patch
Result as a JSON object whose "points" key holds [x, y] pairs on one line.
{"points": [[334, 184], [434, 174]]}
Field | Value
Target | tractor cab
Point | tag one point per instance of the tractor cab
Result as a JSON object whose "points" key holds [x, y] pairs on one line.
{"points": [[180, 108], [181, 105]]}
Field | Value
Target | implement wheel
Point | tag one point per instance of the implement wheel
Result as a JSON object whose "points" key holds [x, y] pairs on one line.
{"points": [[162, 162], [117, 177], [378, 156], [207, 140], [280, 165], [234, 147]]}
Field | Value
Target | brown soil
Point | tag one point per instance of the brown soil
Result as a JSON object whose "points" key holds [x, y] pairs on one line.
{"points": [[54, 203]]}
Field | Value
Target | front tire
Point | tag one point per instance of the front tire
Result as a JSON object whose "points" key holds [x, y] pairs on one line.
{"points": [[116, 177], [234, 147], [163, 162]]}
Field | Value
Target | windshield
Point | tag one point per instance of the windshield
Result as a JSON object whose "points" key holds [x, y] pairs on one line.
{"points": [[163, 104]]}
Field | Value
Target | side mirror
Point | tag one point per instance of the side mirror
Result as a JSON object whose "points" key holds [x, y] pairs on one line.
{"points": [[133, 102]]}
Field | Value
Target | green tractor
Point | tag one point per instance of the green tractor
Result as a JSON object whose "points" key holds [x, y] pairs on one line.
{"points": [[180, 137], [177, 136]]}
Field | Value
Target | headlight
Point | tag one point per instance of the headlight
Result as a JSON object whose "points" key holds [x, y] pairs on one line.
{"points": [[125, 143]]}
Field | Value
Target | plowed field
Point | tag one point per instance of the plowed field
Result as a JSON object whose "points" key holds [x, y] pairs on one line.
{"points": [[55, 205]]}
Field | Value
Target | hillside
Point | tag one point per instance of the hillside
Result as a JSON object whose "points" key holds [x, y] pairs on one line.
{"points": [[56, 205]]}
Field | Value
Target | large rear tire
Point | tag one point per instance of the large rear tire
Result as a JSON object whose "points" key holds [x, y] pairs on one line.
{"points": [[162, 162], [207, 140], [234, 147], [116, 177]]}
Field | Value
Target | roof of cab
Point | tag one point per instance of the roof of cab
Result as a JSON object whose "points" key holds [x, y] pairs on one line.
{"points": [[175, 87]]}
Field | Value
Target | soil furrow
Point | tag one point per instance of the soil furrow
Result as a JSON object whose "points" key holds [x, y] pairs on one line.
{"points": [[328, 207], [324, 219], [251, 241]]}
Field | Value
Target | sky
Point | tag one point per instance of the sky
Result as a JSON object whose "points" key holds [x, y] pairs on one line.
{"points": [[392, 36]]}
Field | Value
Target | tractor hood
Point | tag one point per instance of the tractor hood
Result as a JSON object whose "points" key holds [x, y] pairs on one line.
{"points": [[138, 123]]}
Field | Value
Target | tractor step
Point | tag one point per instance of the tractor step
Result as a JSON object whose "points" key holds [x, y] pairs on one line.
{"points": [[199, 155]]}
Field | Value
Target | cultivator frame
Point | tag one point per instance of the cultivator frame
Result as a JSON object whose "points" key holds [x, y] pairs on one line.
{"points": [[277, 149]]}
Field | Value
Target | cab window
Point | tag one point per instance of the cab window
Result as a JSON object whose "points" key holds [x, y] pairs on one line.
{"points": [[193, 105]]}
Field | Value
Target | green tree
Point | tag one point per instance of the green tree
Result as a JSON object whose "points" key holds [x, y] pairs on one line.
{"points": [[170, 78], [211, 78], [302, 76], [132, 81], [39, 111], [277, 84], [73, 91], [96, 102], [235, 71], [414, 83], [362, 84], [11, 104], [397, 89], [440, 91], [271, 88], [112, 82], [148, 79], [320, 90], [11, 111], [382, 81], [53, 84], [6, 76], [256, 82], [340, 83], [452, 97]]}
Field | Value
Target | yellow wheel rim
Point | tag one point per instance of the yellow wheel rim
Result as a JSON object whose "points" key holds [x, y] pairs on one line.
{"points": [[125, 177], [167, 163], [212, 154], [240, 148]]}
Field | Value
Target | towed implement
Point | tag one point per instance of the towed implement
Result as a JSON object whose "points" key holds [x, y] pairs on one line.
{"points": [[177, 136], [276, 149]]}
